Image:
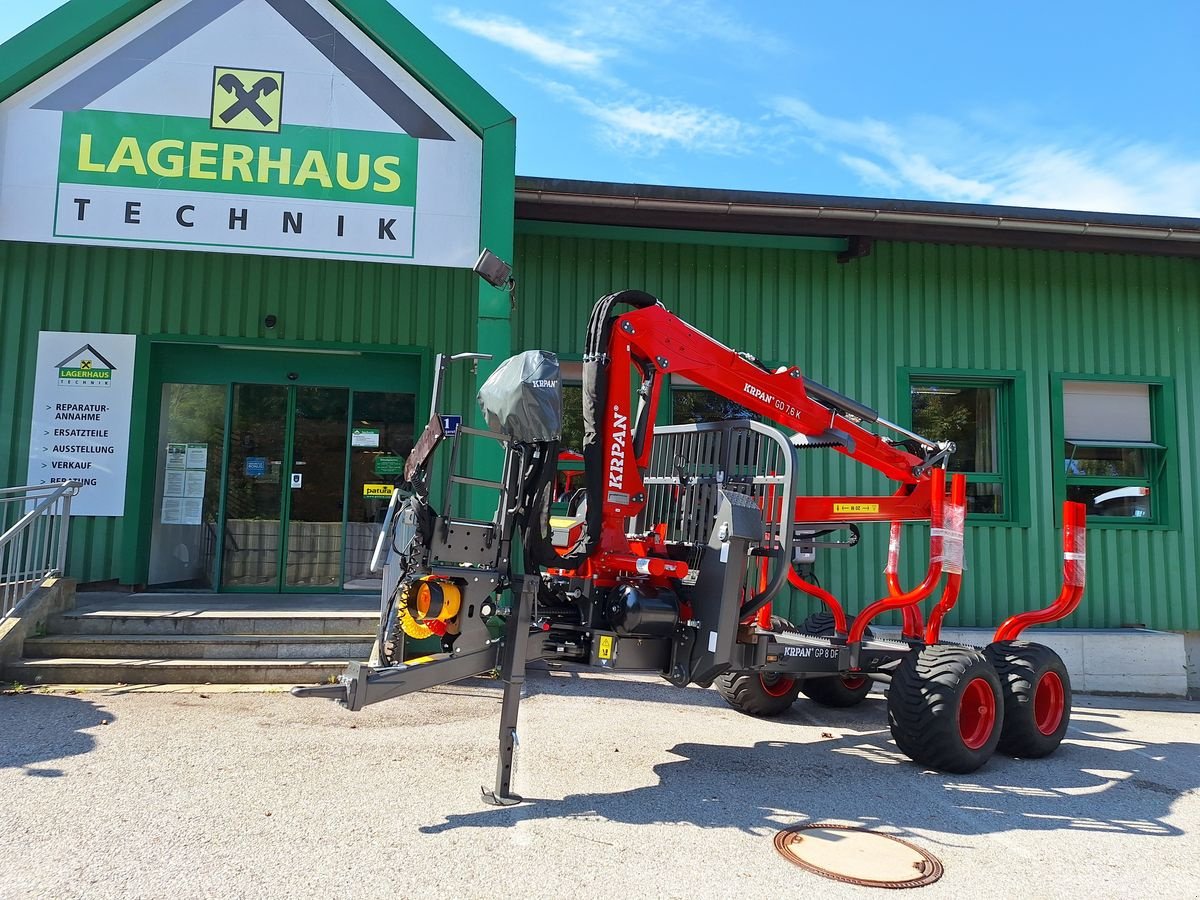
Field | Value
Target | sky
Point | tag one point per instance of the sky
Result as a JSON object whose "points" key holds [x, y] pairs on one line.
{"points": [[1071, 104]]}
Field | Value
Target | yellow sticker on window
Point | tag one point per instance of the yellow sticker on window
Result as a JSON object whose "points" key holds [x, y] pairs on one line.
{"points": [[856, 508], [378, 490], [606, 644]]}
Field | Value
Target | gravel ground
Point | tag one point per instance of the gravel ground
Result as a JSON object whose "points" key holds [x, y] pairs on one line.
{"points": [[643, 791]]}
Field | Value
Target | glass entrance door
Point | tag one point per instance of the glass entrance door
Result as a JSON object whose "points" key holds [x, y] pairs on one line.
{"points": [[254, 486], [217, 506], [381, 438], [315, 534], [285, 488]]}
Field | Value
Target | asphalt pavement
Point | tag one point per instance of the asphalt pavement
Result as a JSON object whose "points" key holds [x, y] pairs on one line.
{"points": [[638, 789]]}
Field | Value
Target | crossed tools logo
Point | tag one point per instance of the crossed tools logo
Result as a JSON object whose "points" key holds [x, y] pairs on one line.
{"points": [[247, 100]]}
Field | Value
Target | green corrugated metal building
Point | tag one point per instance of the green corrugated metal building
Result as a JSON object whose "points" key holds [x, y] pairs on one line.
{"points": [[281, 330], [1018, 323]]}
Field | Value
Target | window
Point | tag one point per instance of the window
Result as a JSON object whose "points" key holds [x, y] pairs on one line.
{"points": [[1112, 460], [572, 405], [689, 406], [691, 403], [570, 459], [976, 413]]}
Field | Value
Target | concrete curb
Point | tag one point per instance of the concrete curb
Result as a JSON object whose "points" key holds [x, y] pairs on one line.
{"points": [[112, 690], [1117, 661]]}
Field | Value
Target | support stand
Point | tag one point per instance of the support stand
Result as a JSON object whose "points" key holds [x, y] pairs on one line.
{"points": [[512, 671]]}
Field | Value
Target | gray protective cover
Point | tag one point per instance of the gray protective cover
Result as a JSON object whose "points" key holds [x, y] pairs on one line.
{"points": [[522, 399]]}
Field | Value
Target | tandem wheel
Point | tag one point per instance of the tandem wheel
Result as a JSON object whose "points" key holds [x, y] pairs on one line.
{"points": [[836, 691], [760, 694], [946, 708], [1037, 698]]}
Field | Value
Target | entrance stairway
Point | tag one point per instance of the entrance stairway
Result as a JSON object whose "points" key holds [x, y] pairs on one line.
{"points": [[111, 638]]}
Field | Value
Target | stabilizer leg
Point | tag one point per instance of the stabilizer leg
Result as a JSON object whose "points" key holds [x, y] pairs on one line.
{"points": [[512, 671]]}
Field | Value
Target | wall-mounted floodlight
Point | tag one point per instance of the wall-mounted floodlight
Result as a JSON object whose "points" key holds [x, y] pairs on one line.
{"points": [[493, 270]]}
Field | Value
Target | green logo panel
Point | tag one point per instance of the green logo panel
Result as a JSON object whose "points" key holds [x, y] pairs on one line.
{"points": [[174, 153]]}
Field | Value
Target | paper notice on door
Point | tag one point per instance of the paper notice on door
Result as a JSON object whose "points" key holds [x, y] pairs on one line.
{"points": [[197, 456], [364, 437], [193, 483], [172, 510], [191, 511], [176, 456], [174, 484]]}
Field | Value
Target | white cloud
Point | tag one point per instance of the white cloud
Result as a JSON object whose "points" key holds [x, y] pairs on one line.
{"points": [[648, 125], [1135, 178], [592, 33], [938, 159], [663, 23], [896, 160], [594, 36], [984, 158], [870, 172], [518, 36]]}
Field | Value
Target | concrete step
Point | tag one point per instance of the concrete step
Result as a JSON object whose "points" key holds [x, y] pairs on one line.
{"points": [[213, 622], [173, 671], [198, 646]]}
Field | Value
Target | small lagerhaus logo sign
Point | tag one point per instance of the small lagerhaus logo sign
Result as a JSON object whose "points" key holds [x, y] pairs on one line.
{"points": [[86, 366]]}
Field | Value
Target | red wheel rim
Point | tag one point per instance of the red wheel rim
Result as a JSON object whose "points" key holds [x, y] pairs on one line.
{"points": [[776, 685], [1049, 703], [854, 682], [977, 714]]}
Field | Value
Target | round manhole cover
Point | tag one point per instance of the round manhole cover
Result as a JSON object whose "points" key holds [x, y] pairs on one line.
{"points": [[857, 856]]}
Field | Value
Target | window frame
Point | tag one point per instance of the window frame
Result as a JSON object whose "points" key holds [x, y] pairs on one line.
{"points": [[1012, 429], [1160, 474]]}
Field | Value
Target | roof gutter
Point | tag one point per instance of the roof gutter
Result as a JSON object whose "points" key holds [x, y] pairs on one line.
{"points": [[846, 214]]}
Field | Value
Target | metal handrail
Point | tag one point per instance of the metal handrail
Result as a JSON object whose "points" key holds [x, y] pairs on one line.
{"points": [[27, 488], [34, 547]]}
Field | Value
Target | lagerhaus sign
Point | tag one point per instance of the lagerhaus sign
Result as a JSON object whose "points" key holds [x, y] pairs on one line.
{"points": [[258, 126], [82, 406]]}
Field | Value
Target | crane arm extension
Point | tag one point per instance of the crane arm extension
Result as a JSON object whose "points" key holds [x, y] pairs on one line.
{"points": [[656, 342]]}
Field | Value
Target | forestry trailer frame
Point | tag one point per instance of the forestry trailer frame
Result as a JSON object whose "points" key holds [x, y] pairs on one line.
{"points": [[681, 540]]}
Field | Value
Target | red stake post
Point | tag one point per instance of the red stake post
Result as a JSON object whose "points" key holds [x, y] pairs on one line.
{"points": [[913, 625], [839, 614], [932, 575], [952, 553], [1074, 576]]}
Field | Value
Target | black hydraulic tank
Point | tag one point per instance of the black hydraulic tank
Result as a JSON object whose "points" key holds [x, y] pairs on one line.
{"points": [[642, 611]]}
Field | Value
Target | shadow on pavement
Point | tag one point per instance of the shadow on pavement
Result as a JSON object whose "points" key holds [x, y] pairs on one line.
{"points": [[573, 681], [1101, 780], [40, 728]]}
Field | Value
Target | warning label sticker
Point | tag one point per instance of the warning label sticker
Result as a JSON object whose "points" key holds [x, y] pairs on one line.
{"points": [[856, 508]]}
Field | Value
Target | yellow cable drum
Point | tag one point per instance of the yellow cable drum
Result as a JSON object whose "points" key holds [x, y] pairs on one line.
{"points": [[427, 604]]}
